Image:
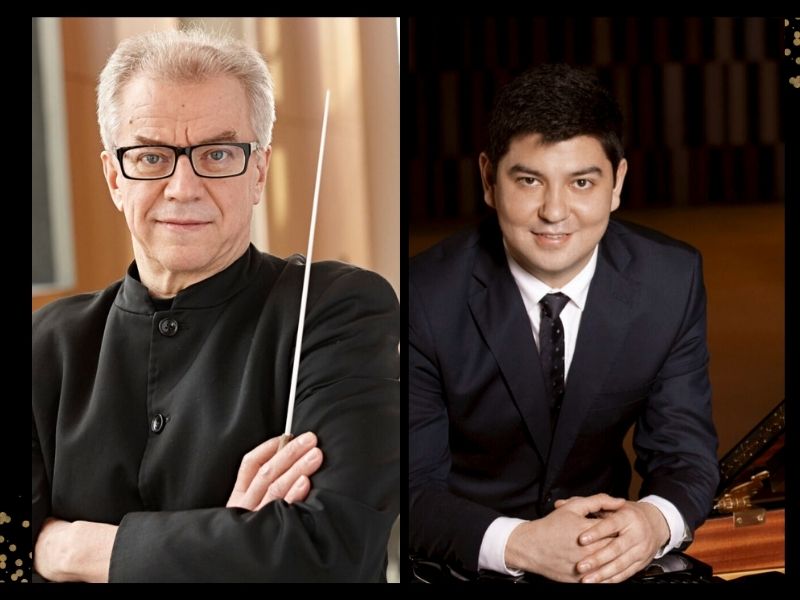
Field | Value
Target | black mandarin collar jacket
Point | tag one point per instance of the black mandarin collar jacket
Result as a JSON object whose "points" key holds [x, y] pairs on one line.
{"points": [[141, 418]]}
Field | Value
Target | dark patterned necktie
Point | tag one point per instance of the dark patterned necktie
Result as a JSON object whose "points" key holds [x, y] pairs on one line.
{"points": [[551, 350]]}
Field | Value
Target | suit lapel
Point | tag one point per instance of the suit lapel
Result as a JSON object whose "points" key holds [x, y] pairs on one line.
{"points": [[499, 312], [603, 328]]}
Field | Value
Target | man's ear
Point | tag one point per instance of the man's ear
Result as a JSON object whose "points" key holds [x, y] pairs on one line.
{"points": [[262, 164], [622, 169], [487, 178], [112, 174]]}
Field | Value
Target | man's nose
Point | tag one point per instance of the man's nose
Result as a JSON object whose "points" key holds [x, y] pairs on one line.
{"points": [[184, 184], [555, 205]]}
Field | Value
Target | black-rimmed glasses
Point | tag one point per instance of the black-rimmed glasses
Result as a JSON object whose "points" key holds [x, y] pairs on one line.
{"points": [[207, 160]]}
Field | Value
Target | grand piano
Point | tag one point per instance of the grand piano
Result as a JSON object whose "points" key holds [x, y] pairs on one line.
{"points": [[745, 532]]}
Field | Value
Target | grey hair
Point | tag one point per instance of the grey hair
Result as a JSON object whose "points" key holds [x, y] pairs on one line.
{"points": [[185, 56]]}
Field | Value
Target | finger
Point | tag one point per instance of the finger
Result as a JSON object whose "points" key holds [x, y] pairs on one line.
{"points": [[563, 501], [277, 466], [598, 545], [615, 571], [593, 504], [306, 466], [604, 563], [299, 491], [626, 574], [252, 462], [609, 526]]}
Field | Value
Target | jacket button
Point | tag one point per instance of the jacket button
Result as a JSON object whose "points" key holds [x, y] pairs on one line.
{"points": [[157, 423], [168, 327]]}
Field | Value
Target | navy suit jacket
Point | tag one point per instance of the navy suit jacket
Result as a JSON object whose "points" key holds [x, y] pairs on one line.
{"points": [[480, 441]]}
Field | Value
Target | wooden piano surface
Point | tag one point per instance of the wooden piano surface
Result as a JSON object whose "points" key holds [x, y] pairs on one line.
{"points": [[730, 549]]}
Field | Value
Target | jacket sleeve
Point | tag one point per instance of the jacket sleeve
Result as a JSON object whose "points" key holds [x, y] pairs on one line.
{"points": [[442, 524], [40, 494], [674, 439], [348, 394], [43, 381]]}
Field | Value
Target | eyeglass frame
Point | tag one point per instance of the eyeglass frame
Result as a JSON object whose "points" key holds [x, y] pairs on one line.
{"points": [[247, 147]]}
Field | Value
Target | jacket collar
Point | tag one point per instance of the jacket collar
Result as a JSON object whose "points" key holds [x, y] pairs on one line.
{"points": [[499, 312], [134, 297]]}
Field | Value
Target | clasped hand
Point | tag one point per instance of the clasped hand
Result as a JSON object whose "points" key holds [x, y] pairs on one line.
{"points": [[594, 539]]}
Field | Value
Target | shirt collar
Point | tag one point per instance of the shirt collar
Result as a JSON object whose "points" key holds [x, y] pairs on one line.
{"points": [[134, 297], [534, 289]]}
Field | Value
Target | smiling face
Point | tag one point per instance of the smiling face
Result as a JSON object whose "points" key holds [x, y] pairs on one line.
{"points": [[553, 202], [185, 228]]}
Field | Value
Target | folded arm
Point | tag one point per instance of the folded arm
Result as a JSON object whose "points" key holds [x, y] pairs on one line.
{"points": [[81, 550], [348, 395]]}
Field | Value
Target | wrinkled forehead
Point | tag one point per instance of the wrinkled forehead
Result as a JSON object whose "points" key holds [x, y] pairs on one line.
{"points": [[183, 112]]}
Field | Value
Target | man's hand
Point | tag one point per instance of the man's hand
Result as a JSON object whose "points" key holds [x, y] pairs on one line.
{"points": [[79, 551], [549, 546], [636, 531], [268, 474]]}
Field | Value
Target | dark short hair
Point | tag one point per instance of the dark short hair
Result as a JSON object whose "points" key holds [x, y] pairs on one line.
{"points": [[559, 102]]}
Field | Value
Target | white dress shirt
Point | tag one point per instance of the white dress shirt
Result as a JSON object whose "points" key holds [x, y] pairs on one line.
{"points": [[493, 546]]}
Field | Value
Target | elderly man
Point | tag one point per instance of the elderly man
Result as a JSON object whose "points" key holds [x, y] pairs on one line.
{"points": [[157, 401]]}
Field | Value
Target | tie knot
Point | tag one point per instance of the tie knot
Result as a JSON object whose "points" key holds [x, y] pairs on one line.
{"points": [[553, 304]]}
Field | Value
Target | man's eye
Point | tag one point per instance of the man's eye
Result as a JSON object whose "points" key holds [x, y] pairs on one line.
{"points": [[218, 155], [527, 180], [583, 184]]}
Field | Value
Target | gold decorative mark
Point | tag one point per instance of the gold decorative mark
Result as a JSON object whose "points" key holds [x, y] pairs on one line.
{"points": [[13, 568], [791, 42]]}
